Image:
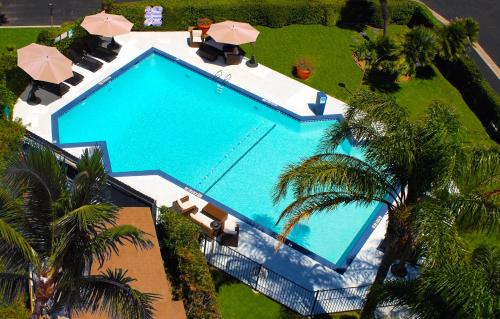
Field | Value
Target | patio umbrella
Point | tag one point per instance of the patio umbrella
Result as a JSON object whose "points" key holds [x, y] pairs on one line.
{"points": [[43, 63], [233, 32], [106, 25]]}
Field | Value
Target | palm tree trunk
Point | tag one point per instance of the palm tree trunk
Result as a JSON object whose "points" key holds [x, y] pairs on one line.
{"points": [[385, 15], [37, 312], [371, 301]]}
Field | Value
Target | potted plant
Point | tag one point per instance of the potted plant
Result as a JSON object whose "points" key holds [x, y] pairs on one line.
{"points": [[204, 24], [303, 69]]}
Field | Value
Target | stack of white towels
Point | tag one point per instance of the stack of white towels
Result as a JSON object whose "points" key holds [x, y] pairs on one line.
{"points": [[153, 16]]}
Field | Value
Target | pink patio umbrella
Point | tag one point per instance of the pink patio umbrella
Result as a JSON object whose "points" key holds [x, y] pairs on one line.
{"points": [[106, 25], [236, 33], [233, 32], [43, 63]]}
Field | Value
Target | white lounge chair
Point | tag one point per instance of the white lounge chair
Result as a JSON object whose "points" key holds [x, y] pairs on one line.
{"points": [[184, 206]]}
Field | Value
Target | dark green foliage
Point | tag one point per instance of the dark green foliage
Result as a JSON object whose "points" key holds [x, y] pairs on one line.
{"points": [[477, 93], [107, 5], [11, 134], [16, 310], [420, 47], [47, 36], [13, 80], [457, 36], [179, 238], [178, 15]]}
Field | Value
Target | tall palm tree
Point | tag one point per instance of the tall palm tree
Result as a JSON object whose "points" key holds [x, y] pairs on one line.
{"points": [[53, 230], [385, 15], [420, 47], [457, 280], [403, 160], [457, 36]]}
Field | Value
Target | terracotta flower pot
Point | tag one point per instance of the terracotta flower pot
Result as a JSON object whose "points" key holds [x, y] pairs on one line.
{"points": [[204, 28], [303, 73]]}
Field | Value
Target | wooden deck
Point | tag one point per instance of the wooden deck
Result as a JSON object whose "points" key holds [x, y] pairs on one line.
{"points": [[144, 265]]}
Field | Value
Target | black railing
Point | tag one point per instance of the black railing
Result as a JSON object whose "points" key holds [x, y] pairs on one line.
{"points": [[283, 290], [31, 138]]}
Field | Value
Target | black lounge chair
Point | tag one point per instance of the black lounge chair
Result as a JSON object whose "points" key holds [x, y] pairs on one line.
{"points": [[208, 52], [93, 48], [84, 61], [75, 79], [57, 89], [111, 45]]}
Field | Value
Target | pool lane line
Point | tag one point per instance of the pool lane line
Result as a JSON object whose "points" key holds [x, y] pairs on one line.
{"points": [[240, 158]]}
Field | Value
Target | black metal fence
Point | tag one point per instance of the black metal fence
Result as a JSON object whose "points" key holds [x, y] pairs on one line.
{"points": [[285, 291]]}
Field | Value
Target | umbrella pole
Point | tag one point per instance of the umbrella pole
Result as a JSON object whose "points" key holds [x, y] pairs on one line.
{"points": [[32, 98], [252, 63]]}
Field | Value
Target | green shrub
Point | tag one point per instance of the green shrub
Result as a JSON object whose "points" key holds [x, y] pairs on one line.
{"points": [[13, 80], [47, 36], [11, 135], [179, 238], [107, 5], [178, 15], [464, 74], [17, 310]]}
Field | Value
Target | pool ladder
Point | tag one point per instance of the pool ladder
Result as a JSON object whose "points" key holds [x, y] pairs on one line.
{"points": [[220, 82]]}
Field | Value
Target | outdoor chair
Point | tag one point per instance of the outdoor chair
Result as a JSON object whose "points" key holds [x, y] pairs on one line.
{"points": [[208, 215], [75, 79], [184, 206], [195, 37], [84, 61], [56, 89], [234, 56], [208, 52], [110, 44], [93, 48], [230, 233]]}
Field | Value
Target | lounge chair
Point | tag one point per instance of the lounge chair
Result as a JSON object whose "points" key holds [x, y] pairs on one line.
{"points": [[230, 233], [208, 52], [57, 89], [93, 48], [195, 37], [234, 55], [75, 79], [184, 206], [209, 214], [84, 61], [110, 44]]}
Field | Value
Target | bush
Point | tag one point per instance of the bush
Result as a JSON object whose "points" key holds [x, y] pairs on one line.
{"points": [[11, 135], [179, 14], [13, 80], [47, 36], [476, 91], [179, 238], [17, 310]]}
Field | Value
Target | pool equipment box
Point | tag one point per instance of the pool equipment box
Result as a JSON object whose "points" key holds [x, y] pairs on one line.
{"points": [[320, 103]]}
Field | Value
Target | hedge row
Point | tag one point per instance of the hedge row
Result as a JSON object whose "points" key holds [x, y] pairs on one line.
{"points": [[476, 91], [179, 14], [13, 81], [464, 75], [186, 264]]}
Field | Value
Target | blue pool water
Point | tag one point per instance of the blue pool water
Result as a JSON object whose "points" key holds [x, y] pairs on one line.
{"points": [[160, 115]]}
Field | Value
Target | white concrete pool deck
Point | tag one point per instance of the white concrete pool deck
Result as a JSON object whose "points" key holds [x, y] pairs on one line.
{"points": [[262, 81]]}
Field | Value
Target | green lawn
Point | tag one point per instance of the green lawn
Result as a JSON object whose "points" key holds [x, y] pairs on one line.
{"points": [[18, 37], [236, 298], [330, 49]]}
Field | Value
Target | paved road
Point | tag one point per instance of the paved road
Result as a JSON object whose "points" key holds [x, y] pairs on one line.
{"points": [[487, 13]]}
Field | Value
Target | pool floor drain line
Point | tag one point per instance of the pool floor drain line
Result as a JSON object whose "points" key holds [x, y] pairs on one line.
{"points": [[227, 154]]}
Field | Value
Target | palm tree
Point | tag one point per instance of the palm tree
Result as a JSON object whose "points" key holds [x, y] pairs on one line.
{"points": [[385, 15], [457, 36], [457, 280], [53, 230], [403, 160], [420, 47]]}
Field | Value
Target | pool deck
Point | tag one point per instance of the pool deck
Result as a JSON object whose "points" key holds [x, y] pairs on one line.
{"points": [[262, 81]]}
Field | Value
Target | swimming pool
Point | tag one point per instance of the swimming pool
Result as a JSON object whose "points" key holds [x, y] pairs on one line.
{"points": [[158, 115]]}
